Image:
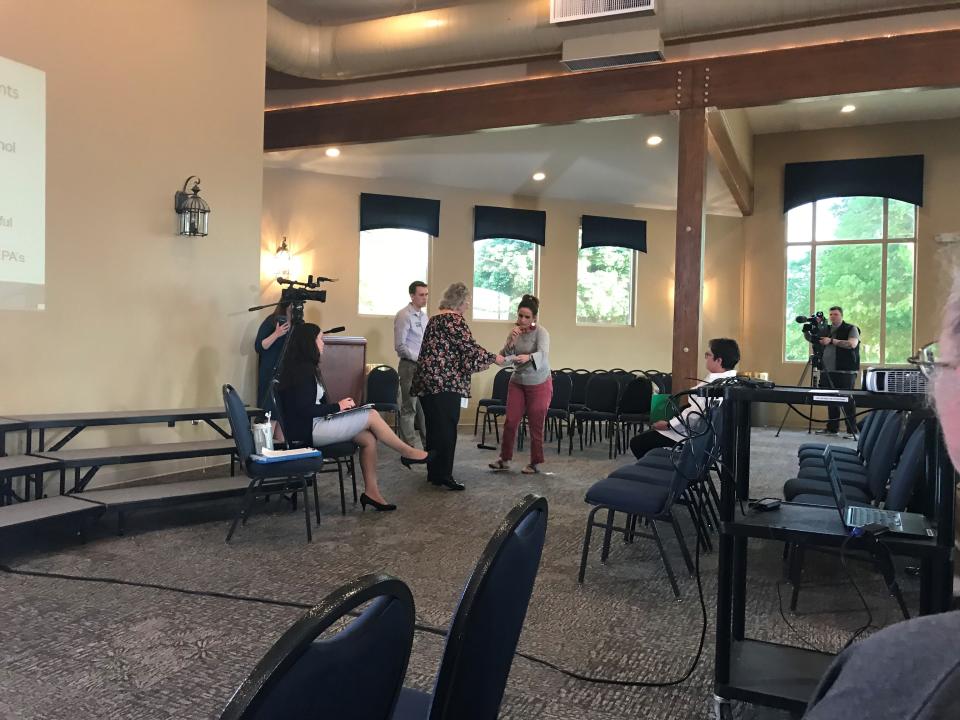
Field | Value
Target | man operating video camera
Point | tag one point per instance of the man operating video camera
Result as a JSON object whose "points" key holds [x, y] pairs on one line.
{"points": [[841, 363]]}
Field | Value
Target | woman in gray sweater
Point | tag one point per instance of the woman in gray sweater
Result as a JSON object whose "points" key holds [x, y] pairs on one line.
{"points": [[531, 385]]}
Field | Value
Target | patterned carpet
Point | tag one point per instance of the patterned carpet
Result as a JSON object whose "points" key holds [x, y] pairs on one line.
{"points": [[78, 649]]}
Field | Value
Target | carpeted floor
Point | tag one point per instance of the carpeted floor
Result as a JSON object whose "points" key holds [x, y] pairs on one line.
{"points": [[79, 650]]}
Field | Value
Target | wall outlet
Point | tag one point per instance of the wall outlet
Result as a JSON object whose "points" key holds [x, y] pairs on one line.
{"points": [[464, 402]]}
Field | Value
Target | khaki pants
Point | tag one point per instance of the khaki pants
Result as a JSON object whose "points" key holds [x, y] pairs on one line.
{"points": [[411, 413]]}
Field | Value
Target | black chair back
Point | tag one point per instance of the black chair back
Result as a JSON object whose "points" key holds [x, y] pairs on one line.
{"points": [[501, 384], [636, 397], [383, 386], [664, 381], [355, 674], [884, 455], [580, 379], [239, 424], [696, 452], [870, 434], [562, 390], [486, 627], [910, 469], [603, 392]]}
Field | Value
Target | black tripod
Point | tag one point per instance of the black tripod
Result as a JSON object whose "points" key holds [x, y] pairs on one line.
{"points": [[295, 295], [815, 367]]}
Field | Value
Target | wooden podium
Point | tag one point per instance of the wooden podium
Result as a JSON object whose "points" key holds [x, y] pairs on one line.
{"points": [[343, 367]]}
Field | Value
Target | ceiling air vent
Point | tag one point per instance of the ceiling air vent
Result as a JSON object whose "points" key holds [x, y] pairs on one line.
{"points": [[569, 10], [609, 51]]}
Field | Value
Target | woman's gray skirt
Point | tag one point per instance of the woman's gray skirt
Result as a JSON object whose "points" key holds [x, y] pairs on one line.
{"points": [[339, 428]]}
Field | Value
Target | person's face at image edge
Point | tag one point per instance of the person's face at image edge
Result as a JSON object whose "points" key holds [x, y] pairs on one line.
{"points": [[946, 382]]}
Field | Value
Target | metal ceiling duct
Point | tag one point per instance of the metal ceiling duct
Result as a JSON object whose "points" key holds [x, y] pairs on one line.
{"points": [[513, 29]]}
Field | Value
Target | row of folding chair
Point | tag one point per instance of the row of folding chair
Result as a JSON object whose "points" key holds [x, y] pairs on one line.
{"points": [[648, 491], [885, 469], [613, 403], [357, 672]]}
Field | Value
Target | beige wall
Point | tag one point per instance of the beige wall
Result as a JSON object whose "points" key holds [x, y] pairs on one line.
{"points": [[764, 232], [139, 96], [319, 214]]}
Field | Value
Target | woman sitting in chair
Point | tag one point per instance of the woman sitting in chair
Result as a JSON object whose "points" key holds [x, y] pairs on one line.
{"points": [[311, 419]]}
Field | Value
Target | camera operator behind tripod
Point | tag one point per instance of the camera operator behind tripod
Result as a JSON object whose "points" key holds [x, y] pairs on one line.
{"points": [[839, 346]]}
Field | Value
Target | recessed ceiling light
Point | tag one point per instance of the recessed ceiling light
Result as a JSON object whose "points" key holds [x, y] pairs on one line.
{"points": [[332, 152], [654, 140], [539, 176], [848, 108]]}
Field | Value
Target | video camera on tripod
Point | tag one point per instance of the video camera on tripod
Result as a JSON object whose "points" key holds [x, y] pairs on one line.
{"points": [[814, 328], [296, 293]]}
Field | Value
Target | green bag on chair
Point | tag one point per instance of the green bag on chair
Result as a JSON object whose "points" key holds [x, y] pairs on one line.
{"points": [[660, 407]]}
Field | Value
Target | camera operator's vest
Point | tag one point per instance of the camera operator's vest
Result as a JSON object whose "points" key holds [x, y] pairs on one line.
{"points": [[846, 359]]}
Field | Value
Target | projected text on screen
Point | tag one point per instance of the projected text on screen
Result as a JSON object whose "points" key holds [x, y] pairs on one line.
{"points": [[22, 186]]}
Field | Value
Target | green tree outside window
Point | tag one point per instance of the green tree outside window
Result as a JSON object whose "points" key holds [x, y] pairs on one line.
{"points": [[503, 271], [848, 267], [605, 286]]}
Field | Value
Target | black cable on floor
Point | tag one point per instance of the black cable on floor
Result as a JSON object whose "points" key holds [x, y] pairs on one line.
{"points": [[429, 629], [863, 628], [790, 625]]}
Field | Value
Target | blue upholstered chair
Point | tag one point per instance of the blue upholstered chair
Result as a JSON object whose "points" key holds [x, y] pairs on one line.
{"points": [[650, 492], [339, 454], [486, 626], [906, 478], [498, 402], [865, 483], [383, 392], [288, 476], [353, 674], [601, 400]]}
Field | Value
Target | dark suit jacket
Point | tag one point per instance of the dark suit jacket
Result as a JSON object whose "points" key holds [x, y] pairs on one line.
{"points": [[298, 409]]}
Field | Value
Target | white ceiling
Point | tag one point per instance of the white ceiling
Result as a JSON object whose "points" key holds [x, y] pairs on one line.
{"points": [[335, 12], [872, 109], [606, 162]]}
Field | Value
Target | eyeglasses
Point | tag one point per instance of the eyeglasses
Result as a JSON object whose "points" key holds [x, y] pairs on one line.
{"points": [[927, 359]]}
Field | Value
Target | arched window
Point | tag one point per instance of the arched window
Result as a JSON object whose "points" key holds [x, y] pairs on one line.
{"points": [[390, 259], [859, 253]]}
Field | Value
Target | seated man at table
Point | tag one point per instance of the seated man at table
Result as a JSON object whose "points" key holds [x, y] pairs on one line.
{"points": [[721, 360], [910, 669]]}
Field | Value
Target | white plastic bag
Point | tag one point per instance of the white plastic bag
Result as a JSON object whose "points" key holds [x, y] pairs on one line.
{"points": [[262, 437]]}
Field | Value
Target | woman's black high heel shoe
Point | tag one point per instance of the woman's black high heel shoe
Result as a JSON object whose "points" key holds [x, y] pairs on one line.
{"points": [[407, 462], [379, 507]]}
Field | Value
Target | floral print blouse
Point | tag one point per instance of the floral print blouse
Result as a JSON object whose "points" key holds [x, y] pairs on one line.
{"points": [[448, 357]]}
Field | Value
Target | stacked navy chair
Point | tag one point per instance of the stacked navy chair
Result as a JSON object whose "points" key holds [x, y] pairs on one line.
{"points": [[649, 491]]}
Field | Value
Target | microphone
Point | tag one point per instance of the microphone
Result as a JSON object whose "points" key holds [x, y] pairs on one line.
{"points": [[339, 328]]}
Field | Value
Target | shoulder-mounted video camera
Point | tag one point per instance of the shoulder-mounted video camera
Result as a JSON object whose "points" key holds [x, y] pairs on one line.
{"points": [[814, 327]]}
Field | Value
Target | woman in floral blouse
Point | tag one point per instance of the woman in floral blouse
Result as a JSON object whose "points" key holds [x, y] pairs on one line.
{"points": [[448, 357]]}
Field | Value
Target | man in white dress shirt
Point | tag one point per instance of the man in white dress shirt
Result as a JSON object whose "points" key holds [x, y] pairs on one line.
{"points": [[408, 326]]}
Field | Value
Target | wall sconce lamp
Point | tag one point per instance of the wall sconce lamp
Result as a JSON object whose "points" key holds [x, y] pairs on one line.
{"points": [[192, 210], [282, 260]]}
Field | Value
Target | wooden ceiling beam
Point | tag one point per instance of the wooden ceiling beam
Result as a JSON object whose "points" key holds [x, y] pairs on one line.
{"points": [[753, 79], [734, 174], [885, 63], [548, 101]]}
